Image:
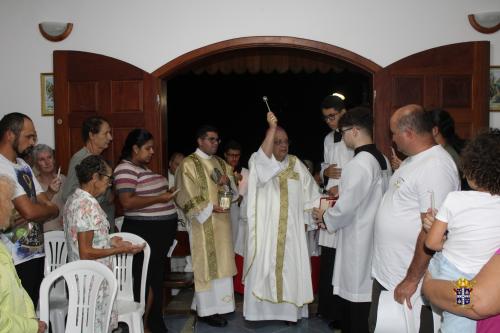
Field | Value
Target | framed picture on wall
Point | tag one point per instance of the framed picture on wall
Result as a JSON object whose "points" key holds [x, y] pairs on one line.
{"points": [[495, 88], [47, 89]]}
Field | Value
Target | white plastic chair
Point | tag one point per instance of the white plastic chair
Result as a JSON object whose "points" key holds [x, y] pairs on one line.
{"points": [[83, 277], [56, 255], [129, 311]]}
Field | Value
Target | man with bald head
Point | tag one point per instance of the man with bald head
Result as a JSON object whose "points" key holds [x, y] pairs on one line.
{"points": [[281, 195], [422, 181]]}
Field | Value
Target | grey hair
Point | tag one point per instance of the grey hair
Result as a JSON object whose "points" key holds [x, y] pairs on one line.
{"points": [[40, 148]]}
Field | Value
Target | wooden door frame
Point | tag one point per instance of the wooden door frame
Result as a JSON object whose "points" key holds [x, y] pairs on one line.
{"points": [[188, 59], [184, 61]]}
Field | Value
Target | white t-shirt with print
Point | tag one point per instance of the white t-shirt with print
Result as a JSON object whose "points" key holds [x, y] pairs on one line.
{"points": [[398, 222], [25, 241], [473, 220]]}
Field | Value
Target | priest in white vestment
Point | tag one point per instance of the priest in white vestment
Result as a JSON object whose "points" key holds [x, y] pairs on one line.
{"points": [[199, 178], [281, 195], [363, 183]]}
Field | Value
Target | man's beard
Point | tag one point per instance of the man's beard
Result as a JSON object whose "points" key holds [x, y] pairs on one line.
{"points": [[24, 153]]}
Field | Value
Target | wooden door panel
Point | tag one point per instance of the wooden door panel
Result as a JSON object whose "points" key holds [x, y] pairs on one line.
{"points": [[119, 136], [453, 77], [407, 89], [83, 96], [456, 92], [76, 142], [127, 96], [89, 84]]}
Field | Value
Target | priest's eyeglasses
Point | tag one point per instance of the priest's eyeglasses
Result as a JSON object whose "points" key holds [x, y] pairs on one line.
{"points": [[212, 139]]}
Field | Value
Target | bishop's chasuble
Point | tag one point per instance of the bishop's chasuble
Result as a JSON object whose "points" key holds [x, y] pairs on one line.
{"points": [[277, 272], [210, 233]]}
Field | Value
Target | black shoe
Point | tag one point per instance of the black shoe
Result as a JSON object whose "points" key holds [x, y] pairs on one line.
{"points": [[290, 323], [335, 324], [214, 320]]}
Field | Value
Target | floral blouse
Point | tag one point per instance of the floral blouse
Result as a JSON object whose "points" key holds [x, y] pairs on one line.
{"points": [[83, 213]]}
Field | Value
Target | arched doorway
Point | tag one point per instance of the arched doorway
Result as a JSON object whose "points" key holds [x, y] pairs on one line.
{"points": [[257, 65], [181, 62]]}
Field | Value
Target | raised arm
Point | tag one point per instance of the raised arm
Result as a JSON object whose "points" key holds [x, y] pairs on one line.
{"points": [[268, 143]]}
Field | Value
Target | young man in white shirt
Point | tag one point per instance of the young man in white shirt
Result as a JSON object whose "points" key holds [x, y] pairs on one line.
{"points": [[25, 236], [400, 258], [363, 183], [336, 155]]}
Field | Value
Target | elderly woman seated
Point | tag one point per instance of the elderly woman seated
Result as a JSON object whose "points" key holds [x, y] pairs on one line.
{"points": [[17, 313], [87, 229]]}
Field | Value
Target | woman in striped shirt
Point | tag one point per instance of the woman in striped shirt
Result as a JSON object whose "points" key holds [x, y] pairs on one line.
{"points": [[149, 213]]}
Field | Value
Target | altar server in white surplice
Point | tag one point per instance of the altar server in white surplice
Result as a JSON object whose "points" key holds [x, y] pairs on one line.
{"points": [[281, 195], [336, 157], [363, 183]]}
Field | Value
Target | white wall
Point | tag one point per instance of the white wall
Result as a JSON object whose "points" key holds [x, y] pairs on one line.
{"points": [[150, 33]]}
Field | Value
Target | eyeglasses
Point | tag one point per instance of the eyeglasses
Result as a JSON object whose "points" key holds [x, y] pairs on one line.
{"points": [[282, 142], [110, 178], [330, 117], [213, 139], [342, 131]]}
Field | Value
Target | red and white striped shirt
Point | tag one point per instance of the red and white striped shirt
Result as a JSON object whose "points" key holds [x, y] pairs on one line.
{"points": [[143, 182]]}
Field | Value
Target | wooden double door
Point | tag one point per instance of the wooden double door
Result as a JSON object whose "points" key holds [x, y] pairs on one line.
{"points": [[453, 77]]}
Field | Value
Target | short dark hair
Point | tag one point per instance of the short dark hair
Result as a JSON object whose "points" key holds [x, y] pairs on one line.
{"points": [[481, 161], [88, 166], [359, 116], [92, 125], [334, 102], [12, 122], [203, 130], [137, 137], [417, 120], [232, 144]]}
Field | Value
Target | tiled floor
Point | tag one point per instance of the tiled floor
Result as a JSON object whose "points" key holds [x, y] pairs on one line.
{"points": [[186, 323]]}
